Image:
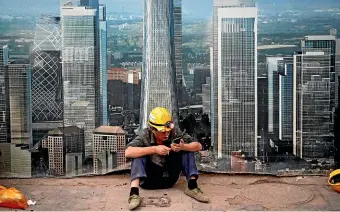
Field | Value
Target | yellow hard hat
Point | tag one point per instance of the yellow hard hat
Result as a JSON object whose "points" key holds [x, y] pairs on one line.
{"points": [[160, 119], [335, 186]]}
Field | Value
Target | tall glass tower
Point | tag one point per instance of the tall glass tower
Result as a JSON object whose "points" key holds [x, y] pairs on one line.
{"points": [[46, 76], [103, 63], [285, 69], [4, 128], [234, 77], [81, 70], [158, 73], [18, 96], [314, 97], [273, 96], [177, 14], [47, 99]]}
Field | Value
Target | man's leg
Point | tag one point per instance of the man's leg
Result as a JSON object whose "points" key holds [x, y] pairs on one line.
{"points": [[154, 176], [191, 173], [138, 171], [173, 167], [144, 174]]}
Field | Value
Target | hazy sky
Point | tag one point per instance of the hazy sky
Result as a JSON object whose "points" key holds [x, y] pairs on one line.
{"points": [[194, 8], [203, 8]]}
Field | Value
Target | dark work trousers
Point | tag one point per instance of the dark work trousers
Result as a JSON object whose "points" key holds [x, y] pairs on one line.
{"points": [[153, 176]]}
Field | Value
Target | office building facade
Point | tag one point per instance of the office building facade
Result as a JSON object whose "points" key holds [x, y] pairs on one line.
{"points": [[108, 149], [158, 72], [80, 65], [285, 69], [19, 99], [4, 128], [103, 63], [273, 96], [234, 77], [262, 129], [47, 96], [177, 16], [314, 97], [47, 73], [62, 143]]}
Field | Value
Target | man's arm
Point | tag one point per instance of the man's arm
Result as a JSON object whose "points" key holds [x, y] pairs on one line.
{"points": [[190, 145], [137, 152], [138, 148]]}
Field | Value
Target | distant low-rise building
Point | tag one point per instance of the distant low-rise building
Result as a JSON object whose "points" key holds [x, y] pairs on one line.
{"points": [[124, 88], [108, 149], [65, 149]]}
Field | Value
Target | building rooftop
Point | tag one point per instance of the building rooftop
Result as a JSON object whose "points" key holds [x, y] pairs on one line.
{"points": [[320, 37], [109, 130], [63, 130]]}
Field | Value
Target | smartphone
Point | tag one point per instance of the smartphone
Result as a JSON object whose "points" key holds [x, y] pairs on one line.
{"points": [[177, 140]]}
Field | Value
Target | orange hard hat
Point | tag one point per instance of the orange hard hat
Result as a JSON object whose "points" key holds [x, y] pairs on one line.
{"points": [[335, 185]]}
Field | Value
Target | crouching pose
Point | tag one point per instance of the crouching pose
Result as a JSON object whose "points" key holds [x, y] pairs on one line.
{"points": [[160, 154]]}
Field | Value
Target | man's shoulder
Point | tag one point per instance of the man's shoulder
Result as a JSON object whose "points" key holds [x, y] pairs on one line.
{"points": [[144, 133], [142, 139]]}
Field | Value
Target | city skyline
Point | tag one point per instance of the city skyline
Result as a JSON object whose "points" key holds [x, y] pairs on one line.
{"points": [[77, 99], [234, 77], [81, 68], [159, 85]]}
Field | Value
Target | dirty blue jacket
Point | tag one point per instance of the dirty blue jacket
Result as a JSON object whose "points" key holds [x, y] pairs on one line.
{"points": [[145, 138]]}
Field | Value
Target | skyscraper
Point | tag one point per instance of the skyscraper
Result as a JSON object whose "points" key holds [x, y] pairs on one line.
{"points": [[262, 96], [103, 64], [159, 73], [4, 55], [47, 76], [273, 96], [177, 14], [285, 70], [4, 133], [314, 97], [19, 100], [81, 70], [234, 77], [47, 99]]}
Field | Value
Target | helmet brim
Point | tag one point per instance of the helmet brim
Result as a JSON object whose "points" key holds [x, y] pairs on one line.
{"points": [[161, 128]]}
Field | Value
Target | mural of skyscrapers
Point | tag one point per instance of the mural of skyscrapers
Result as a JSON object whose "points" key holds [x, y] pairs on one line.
{"points": [[103, 64], [80, 65], [71, 111], [314, 97], [4, 133], [158, 72], [285, 69], [234, 77], [177, 16], [19, 100], [47, 99]]}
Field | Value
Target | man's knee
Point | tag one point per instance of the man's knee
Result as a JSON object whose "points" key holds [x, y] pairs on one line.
{"points": [[137, 162], [188, 155], [138, 168], [189, 165]]}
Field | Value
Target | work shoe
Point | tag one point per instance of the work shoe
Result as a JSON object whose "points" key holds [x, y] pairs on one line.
{"points": [[197, 194], [134, 201]]}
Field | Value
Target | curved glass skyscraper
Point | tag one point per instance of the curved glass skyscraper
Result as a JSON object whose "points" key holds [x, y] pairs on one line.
{"points": [[159, 72]]}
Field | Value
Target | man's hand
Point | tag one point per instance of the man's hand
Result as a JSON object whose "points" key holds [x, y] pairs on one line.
{"points": [[162, 150], [177, 147]]}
